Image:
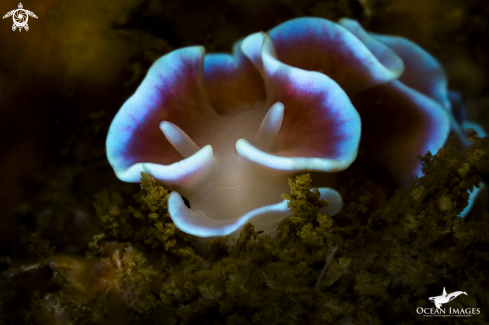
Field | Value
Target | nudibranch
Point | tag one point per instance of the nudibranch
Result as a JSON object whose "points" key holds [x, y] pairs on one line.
{"points": [[226, 131], [417, 110], [407, 116]]}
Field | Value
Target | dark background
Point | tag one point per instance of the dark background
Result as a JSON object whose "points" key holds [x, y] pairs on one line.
{"points": [[62, 81]]}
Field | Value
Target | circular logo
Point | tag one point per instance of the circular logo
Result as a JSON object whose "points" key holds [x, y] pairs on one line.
{"points": [[20, 17]]}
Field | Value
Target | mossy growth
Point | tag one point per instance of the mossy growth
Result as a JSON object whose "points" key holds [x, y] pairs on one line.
{"points": [[370, 264]]}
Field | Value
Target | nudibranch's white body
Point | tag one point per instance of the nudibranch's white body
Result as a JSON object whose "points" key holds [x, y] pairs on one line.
{"points": [[231, 180], [234, 164], [226, 131]]}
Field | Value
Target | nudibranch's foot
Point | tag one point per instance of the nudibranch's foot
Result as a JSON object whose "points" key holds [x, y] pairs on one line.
{"points": [[478, 193], [466, 131], [477, 200], [264, 218]]}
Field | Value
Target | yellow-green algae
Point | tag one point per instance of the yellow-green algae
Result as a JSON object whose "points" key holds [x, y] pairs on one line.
{"points": [[377, 276], [385, 260]]}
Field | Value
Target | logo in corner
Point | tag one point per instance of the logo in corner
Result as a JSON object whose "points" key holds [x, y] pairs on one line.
{"points": [[444, 298], [20, 17], [440, 311]]}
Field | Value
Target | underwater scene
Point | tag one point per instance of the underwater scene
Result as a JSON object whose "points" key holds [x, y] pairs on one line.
{"points": [[244, 162]]}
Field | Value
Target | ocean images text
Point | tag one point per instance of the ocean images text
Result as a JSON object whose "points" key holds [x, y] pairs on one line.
{"points": [[451, 311]]}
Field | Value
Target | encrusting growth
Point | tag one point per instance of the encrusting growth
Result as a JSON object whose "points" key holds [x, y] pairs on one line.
{"points": [[376, 255]]}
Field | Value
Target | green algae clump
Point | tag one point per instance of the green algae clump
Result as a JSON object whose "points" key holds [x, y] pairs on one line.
{"points": [[372, 263]]}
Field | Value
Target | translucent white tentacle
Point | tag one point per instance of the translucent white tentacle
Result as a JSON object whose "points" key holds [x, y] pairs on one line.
{"points": [[269, 127], [179, 139]]}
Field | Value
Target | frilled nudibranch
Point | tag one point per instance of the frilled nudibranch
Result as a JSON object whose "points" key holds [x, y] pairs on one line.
{"points": [[226, 131]]}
